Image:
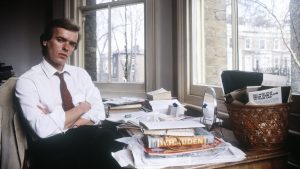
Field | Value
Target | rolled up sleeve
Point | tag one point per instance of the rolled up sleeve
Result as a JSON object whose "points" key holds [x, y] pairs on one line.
{"points": [[93, 96]]}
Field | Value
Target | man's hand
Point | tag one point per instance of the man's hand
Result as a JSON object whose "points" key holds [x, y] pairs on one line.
{"points": [[84, 106], [73, 115]]}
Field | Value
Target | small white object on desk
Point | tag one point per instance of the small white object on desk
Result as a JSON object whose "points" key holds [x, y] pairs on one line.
{"points": [[162, 106], [123, 117]]}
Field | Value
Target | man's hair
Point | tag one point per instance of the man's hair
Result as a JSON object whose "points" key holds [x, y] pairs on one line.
{"points": [[57, 23]]}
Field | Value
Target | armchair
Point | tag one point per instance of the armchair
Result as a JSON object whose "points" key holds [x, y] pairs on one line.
{"points": [[13, 143]]}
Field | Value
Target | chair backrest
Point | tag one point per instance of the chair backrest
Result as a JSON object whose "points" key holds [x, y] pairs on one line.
{"points": [[235, 79], [13, 137]]}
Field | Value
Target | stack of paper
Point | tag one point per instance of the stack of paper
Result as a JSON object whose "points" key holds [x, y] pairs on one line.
{"points": [[160, 94], [124, 104], [181, 137], [149, 125], [136, 157]]}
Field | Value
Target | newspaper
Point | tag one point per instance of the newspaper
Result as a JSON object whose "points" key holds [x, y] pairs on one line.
{"points": [[265, 97]]}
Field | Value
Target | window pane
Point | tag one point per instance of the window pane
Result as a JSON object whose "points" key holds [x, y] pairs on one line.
{"points": [[127, 43], [198, 74], [247, 45], [258, 21], [257, 46], [114, 44], [209, 56]]}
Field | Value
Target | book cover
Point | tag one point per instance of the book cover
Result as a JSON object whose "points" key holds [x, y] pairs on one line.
{"points": [[180, 150], [201, 137]]}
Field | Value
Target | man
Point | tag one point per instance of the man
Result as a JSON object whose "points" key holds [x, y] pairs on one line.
{"points": [[62, 106]]}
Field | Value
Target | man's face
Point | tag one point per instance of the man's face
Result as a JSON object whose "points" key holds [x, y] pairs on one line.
{"points": [[60, 47]]}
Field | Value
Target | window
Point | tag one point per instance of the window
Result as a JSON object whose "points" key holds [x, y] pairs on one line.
{"points": [[262, 44], [276, 44], [261, 21], [112, 47], [114, 41], [247, 44]]}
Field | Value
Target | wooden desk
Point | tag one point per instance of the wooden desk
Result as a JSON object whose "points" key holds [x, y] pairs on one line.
{"points": [[254, 160]]}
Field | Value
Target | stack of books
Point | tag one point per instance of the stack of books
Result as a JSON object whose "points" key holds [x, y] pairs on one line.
{"points": [[176, 137], [160, 94], [124, 104], [5, 72]]}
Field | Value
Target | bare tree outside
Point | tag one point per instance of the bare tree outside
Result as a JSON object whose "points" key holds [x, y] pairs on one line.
{"points": [[120, 43], [267, 37]]}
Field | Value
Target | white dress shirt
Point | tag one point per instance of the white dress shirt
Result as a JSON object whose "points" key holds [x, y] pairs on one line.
{"points": [[39, 86]]}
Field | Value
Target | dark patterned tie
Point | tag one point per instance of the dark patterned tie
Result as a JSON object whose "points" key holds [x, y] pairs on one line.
{"points": [[65, 94]]}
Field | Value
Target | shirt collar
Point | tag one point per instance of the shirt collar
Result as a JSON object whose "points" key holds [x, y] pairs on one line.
{"points": [[50, 70]]}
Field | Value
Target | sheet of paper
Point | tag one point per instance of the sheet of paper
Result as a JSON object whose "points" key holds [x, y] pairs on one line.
{"points": [[162, 106], [124, 117], [265, 97], [124, 158]]}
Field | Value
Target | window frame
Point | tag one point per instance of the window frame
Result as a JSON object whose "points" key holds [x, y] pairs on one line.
{"points": [[74, 10], [194, 94], [190, 95]]}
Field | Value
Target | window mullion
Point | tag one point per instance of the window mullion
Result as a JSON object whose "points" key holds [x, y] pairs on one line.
{"points": [[109, 45], [235, 50]]}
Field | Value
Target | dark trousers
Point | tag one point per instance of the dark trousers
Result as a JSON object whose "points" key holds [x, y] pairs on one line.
{"points": [[85, 147]]}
